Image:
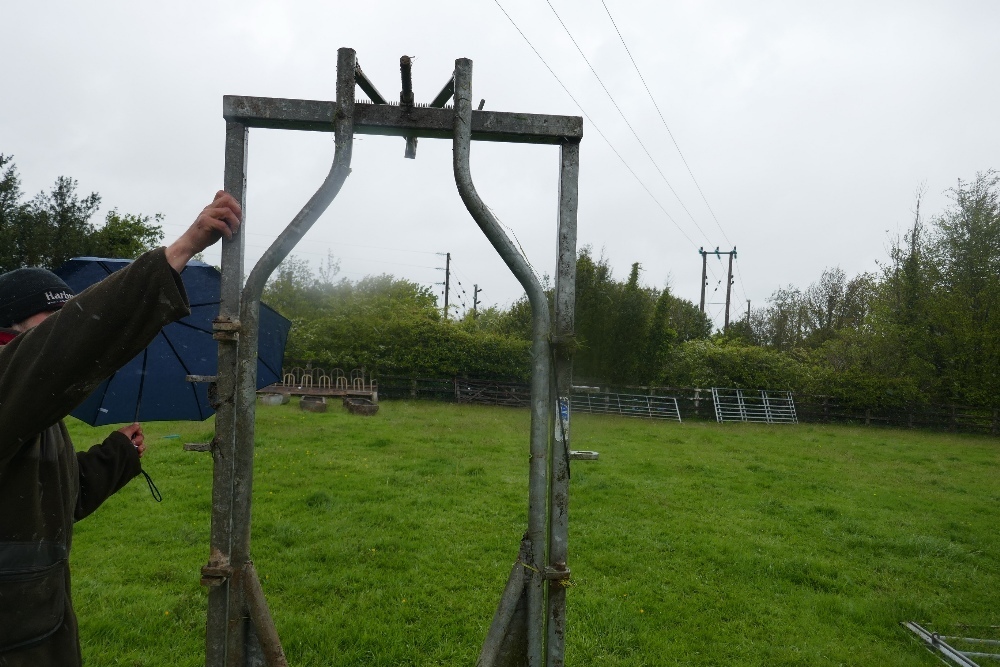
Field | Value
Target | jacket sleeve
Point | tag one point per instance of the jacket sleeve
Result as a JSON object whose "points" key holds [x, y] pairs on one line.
{"points": [[49, 370], [104, 469]]}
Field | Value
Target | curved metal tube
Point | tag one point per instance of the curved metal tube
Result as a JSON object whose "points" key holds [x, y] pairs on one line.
{"points": [[541, 402], [286, 241], [246, 371]]}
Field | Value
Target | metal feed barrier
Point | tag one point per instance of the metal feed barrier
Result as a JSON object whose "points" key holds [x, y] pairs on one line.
{"points": [[627, 405], [529, 625], [766, 407]]}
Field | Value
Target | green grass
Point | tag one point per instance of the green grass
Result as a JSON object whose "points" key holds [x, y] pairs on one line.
{"points": [[387, 540]]}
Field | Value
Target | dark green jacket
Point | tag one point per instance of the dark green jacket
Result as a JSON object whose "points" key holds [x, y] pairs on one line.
{"points": [[45, 485]]}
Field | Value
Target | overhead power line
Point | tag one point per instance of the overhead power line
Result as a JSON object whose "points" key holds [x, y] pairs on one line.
{"points": [[622, 114], [673, 139], [664, 121], [595, 126]]}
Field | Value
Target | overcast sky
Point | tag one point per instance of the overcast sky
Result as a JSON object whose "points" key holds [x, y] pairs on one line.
{"points": [[808, 125]]}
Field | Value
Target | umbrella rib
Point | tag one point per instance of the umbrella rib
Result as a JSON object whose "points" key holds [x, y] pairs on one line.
{"points": [[142, 381], [187, 371], [100, 403], [265, 364], [191, 326]]}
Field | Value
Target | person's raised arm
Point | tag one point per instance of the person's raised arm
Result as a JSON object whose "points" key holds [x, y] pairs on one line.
{"points": [[220, 218], [46, 371]]}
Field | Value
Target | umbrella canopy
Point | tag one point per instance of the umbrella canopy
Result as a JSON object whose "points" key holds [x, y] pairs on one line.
{"points": [[152, 386]]}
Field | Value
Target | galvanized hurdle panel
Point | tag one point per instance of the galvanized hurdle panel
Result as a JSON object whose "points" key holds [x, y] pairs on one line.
{"points": [[627, 405], [764, 406], [529, 625]]}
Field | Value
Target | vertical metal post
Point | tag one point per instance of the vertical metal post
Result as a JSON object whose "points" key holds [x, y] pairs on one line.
{"points": [[541, 403], [565, 301], [729, 289], [223, 446], [704, 275], [246, 375], [406, 100]]}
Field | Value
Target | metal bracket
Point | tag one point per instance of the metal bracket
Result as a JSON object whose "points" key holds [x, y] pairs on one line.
{"points": [[215, 575], [365, 84], [556, 573], [213, 387], [446, 94], [225, 329]]}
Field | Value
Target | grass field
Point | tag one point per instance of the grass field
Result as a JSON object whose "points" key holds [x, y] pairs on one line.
{"points": [[387, 540]]}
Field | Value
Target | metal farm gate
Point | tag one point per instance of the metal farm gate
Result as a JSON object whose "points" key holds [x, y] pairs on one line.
{"points": [[627, 405], [768, 407], [529, 625]]}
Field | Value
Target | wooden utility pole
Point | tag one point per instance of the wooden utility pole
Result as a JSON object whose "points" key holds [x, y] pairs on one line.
{"points": [[475, 301], [729, 282], [447, 282], [729, 288], [704, 274], [447, 279]]}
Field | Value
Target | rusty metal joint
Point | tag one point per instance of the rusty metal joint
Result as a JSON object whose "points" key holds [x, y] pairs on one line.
{"points": [[225, 324], [558, 573], [215, 575], [225, 329]]}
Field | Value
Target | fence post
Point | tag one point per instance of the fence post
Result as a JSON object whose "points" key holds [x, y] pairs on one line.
{"points": [[868, 416], [993, 428]]}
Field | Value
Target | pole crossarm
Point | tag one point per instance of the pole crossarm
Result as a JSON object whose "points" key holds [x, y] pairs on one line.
{"points": [[400, 121]]}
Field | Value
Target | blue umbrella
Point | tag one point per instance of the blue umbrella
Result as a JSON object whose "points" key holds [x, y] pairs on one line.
{"points": [[152, 386]]}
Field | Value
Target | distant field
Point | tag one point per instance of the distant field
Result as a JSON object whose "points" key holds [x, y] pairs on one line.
{"points": [[387, 540]]}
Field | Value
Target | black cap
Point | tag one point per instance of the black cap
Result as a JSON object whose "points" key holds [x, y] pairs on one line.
{"points": [[27, 292]]}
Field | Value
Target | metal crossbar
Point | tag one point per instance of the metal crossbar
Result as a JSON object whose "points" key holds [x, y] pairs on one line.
{"points": [[766, 407], [627, 405]]}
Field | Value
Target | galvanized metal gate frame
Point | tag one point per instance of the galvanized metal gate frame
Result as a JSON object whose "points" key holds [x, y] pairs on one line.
{"points": [[529, 625]]}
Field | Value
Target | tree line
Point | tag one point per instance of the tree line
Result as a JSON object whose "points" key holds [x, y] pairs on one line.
{"points": [[54, 226], [394, 326], [923, 328]]}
